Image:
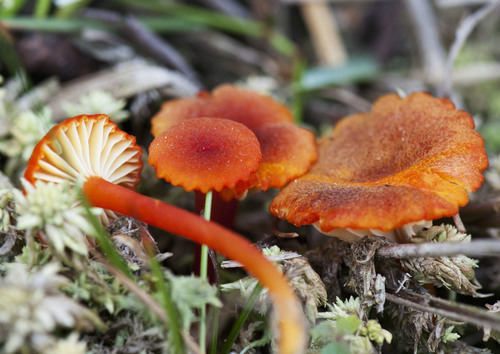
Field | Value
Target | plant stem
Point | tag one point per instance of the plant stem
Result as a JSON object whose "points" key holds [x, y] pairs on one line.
{"points": [[168, 306], [215, 329], [200, 16], [204, 249], [458, 312], [241, 319], [42, 8], [432, 249], [203, 274]]}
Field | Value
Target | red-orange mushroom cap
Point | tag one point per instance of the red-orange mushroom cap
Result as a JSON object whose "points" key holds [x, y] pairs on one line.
{"points": [[86, 146], [205, 154], [409, 159], [226, 101], [288, 150]]}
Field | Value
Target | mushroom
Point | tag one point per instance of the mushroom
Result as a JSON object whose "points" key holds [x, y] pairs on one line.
{"points": [[408, 161], [226, 101], [288, 150], [87, 146], [205, 154], [93, 147]]}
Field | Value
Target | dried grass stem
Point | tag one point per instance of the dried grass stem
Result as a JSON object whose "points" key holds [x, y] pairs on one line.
{"points": [[441, 307], [430, 249]]}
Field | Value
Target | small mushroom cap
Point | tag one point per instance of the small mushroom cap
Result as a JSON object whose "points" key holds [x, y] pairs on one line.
{"points": [[86, 146], [226, 101], [288, 151], [407, 160], [206, 154]]}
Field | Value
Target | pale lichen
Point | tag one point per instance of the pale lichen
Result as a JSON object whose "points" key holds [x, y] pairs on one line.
{"points": [[189, 293], [304, 280], [98, 102], [343, 323], [33, 309], [25, 129], [455, 273], [54, 213]]}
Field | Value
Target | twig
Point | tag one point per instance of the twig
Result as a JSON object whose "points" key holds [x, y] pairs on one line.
{"points": [[469, 314], [430, 249], [324, 31], [159, 48], [347, 97], [427, 35], [123, 81], [458, 3], [277, 258], [478, 210], [463, 31], [475, 73], [229, 7]]}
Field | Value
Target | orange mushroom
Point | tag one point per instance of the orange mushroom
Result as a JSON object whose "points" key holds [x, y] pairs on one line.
{"points": [[407, 161], [288, 150], [226, 101], [94, 148], [205, 154], [87, 146]]}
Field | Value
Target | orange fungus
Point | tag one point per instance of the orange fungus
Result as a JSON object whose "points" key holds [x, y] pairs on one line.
{"points": [[409, 159], [205, 154], [288, 150]]}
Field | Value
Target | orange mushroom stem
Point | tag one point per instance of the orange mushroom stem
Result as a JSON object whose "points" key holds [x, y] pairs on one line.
{"points": [[95, 148]]}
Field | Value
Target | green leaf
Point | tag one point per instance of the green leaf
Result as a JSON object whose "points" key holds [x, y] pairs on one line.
{"points": [[355, 70], [336, 348], [349, 325]]}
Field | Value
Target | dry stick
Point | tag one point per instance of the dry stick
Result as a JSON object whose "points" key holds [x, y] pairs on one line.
{"points": [[459, 3], [145, 298], [126, 80], [347, 97], [461, 35], [433, 55], [325, 34], [159, 48], [477, 72], [229, 7], [430, 249], [478, 210], [445, 308]]}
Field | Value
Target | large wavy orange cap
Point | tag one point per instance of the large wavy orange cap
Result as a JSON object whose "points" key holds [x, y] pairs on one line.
{"points": [[409, 159], [205, 154], [288, 150]]}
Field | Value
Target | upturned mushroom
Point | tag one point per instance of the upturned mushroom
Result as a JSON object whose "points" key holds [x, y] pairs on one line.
{"points": [[407, 162], [93, 147]]}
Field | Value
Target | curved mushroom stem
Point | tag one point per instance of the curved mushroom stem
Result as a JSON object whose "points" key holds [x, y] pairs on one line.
{"points": [[107, 195]]}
